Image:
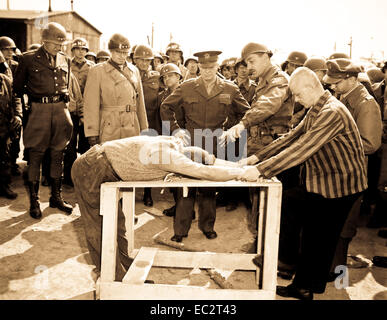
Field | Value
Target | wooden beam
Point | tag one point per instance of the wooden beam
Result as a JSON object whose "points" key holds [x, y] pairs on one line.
{"points": [[128, 202], [204, 260], [141, 266], [123, 291]]}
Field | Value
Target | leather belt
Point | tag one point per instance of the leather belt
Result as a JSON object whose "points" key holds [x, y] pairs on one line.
{"points": [[49, 99], [126, 108]]}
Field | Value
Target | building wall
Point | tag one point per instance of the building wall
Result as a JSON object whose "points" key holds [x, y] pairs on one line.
{"points": [[74, 26]]}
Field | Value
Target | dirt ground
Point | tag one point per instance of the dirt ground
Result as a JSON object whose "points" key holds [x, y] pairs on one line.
{"points": [[48, 258]]}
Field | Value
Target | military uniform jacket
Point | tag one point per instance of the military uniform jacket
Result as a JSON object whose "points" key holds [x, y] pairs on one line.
{"points": [[40, 77], [247, 89], [151, 88], [272, 106], [81, 72], [114, 107], [366, 113], [201, 110]]}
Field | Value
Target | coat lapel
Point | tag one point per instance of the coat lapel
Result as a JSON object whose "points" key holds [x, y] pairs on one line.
{"points": [[218, 88], [200, 88]]}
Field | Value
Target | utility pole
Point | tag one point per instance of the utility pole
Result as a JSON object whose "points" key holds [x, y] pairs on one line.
{"points": [[49, 6], [170, 37], [350, 47], [153, 33], [72, 5], [7, 4]]}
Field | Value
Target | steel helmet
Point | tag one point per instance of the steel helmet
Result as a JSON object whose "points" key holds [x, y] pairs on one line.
{"points": [[143, 52], [80, 43], [190, 59], [253, 47], [375, 75], [316, 64], [54, 32], [118, 41], [297, 58], [170, 68], [238, 62], [159, 56], [7, 43], [102, 54], [173, 46], [91, 53], [338, 55]]}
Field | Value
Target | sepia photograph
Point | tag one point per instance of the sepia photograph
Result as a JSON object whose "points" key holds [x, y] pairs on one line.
{"points": [[193, 155]]}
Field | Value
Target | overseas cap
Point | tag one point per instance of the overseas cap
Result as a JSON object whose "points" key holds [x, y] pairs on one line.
{"points": [[170, 68], [207, 57], [339, 69]]}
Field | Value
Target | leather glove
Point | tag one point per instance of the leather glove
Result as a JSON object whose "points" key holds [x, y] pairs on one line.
{"points": [[93, 140], [16, 122]]}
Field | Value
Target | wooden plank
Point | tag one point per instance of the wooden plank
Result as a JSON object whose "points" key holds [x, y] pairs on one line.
{"points": [[205, 260], [271, 236], [261, 230], [108, 209], [141, 266], [128, 203], [123, 291]]}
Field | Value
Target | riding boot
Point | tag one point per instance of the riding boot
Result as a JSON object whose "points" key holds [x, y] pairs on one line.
{"points": [[56, 200]]}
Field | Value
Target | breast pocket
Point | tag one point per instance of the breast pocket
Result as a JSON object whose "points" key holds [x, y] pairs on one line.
{"points": [[191, 105]]}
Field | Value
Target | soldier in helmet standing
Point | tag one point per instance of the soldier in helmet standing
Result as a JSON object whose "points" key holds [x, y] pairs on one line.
{"points": [[8, 48], [191, 63], [175, 55], [102, 56], [10, 121], [295, 60], [114, 105], [143, 56], [45, 75], [91, 56]]}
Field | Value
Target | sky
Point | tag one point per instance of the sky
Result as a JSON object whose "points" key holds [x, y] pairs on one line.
{"points": [[315, 27]]}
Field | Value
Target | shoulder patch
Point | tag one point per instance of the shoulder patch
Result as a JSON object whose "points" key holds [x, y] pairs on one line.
{"points": [[279, 80]]}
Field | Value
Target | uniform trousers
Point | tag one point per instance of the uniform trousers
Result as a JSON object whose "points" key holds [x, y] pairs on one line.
{"points": [[309, 233], [89, 171], [185, 206], [49, 127]]}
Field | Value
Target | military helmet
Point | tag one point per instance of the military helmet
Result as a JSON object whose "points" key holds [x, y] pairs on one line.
{"points": [[118, 41], [34, 46], [143, 52], [316, 64], [54, 32], [159, 56], [338, 55], [80, 43], [170, 68], [375, 75], [91, 53], [253, 47], [297, 58], [192, 58], [173, 46], [7, 43], [238, 62], [102, 54]]}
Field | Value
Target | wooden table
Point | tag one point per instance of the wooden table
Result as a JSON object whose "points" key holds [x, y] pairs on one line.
{"points": [[133, 287]]}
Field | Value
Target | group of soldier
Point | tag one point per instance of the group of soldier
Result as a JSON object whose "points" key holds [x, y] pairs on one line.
{"points": [[66, 106]]}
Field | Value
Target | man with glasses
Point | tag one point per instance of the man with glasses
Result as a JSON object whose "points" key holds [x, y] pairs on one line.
{"points": [[44, 75]]}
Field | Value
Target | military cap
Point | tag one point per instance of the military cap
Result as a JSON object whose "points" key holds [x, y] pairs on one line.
{"points": [[118, 41], [339, 69], [80, 43], [170, 68], [7, 43], [338, 55], [207, 57], [190, 59], [297, 58], [375, 75], [253, 47], [103, 54], [55, 33], [143, 52], [316, 64], [173, 46]]}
